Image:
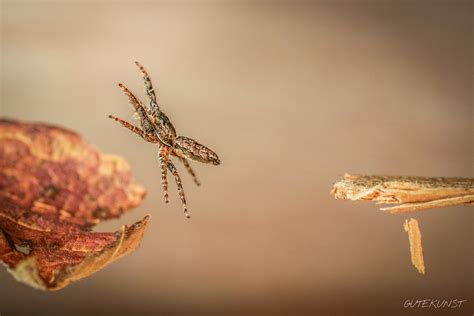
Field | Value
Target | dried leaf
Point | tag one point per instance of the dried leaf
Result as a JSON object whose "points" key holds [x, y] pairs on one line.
{"points": [[54, 187]]}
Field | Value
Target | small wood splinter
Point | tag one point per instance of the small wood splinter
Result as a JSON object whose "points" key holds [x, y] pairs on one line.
{"points": [[416, 249]]}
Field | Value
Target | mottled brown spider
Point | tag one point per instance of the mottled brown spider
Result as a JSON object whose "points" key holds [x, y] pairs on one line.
{"points": [[157, 128]]}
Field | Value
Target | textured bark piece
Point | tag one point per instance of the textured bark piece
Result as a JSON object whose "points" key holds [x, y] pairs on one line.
{"points": [[54, 187], [416, 248], [412, 193]]}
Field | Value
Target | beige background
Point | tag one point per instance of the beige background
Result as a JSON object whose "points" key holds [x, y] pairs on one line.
{"points": [[291, 97]]}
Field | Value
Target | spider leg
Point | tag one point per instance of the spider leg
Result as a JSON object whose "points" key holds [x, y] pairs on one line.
{"points": [[148, 87], [128, 125], [164, 160], [145, 120], [190, 170], [148, 137], [173, 170]]}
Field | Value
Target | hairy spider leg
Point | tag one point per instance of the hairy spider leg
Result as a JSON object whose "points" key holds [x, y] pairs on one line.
{"points": [[148, 137], [145, 119], [164, 160], [190, 170], [173, 170], [148, 88]]}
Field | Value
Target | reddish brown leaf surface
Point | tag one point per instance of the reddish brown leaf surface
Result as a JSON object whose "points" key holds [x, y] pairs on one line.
{"points": [[54, 187]]}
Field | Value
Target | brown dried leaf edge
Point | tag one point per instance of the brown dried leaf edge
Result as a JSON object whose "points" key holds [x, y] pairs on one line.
{"points": [[53, 264], [54, 187]]}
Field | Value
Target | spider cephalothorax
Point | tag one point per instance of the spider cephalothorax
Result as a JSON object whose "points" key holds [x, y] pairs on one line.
{"points": [[157, 128]]}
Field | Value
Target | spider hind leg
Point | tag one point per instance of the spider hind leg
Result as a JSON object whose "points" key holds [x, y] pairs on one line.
{"points": [[190, 170], [173, 170], [164, 160]]}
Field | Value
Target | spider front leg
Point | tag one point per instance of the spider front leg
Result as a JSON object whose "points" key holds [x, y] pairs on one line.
{"points": [[148, 137], [164, 161], [148, 87], [173, 170], [145, 120], [128, 125], [190, 170]]}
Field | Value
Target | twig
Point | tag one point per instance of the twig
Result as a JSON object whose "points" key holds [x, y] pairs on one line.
{"points": [[411, 193]]}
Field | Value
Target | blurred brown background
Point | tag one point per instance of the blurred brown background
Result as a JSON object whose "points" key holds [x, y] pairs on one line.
{"points": [[291, 96]]}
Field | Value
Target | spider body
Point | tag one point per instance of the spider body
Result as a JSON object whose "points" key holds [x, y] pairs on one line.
{"points": [[157, 128], [166, 130]]}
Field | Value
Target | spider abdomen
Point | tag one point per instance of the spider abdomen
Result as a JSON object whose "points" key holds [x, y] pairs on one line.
{"points": [[193, 150]]}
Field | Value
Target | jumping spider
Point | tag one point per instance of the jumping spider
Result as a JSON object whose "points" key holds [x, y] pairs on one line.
{"points": [[157, 128]]}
